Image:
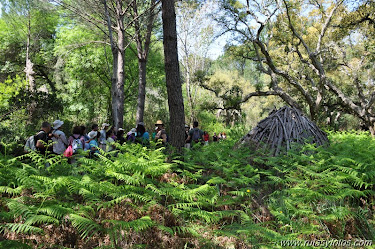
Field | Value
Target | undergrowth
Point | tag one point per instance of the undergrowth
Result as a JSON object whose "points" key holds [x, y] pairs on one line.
{"points": [[212, 197]]}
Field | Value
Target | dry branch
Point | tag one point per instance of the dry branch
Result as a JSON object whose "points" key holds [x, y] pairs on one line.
{"points": [[283, 127]]}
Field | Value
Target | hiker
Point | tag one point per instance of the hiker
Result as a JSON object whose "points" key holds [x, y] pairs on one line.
{"points": [[59, 138], [195, 134], [86, 138], [94, 127], [142, 135], [77, 140], [43, 137], [111, 138], [130, 136], [206, 137], [93, 142], [161, 134], [120, 136], [187, 142], [223, 136], [103, 136], [215, 138]]}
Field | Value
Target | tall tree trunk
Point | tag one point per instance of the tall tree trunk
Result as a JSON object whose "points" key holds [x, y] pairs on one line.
{"points": [[141, 90], [172, 73], [29, 71], [189, 95], [29, 65], [117, 88], [118, 94], [142, 52]]}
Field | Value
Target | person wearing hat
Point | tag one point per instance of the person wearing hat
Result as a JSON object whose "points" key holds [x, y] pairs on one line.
{"points": [[130, 136], [142, 135], [103, 136], [120, 136], [161, 134], [59, 138], [94, 144]]}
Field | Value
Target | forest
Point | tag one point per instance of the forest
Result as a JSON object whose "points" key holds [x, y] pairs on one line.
{"points": [[228, 64]]}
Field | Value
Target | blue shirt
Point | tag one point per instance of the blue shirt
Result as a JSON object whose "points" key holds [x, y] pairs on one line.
{"points": [[94, 144], [146, 136]]}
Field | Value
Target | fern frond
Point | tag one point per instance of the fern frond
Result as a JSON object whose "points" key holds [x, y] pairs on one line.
{"points": [[86, 227], [135, 179], [20, 209], [22, 228], [216, 180], [187, 230], [166, 229], [56, 211], [12, 191], [137, 225], [41, 219]]}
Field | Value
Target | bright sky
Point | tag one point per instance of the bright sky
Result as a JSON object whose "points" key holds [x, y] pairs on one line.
{"points": [[216, 49]]}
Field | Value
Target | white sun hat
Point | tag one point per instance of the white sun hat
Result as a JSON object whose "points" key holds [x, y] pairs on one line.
{"points": [[92, 134], [105, 125], [57, 124]]}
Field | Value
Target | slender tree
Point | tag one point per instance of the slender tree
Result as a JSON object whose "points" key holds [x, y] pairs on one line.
{"points": [[111, 17], [118, 52], [172, 73], [143, 24], [195, 35]]}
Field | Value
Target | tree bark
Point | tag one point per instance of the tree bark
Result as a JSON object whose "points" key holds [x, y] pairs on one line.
{"points": [[142, 53], [29, 65], [141, 90], [29, 70], [117, 88], [172, 73]]}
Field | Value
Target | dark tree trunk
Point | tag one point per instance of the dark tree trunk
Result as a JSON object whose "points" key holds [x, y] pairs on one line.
{"points": [[172, 73]]}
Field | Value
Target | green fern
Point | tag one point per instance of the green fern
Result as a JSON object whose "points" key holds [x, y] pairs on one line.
{"points": [[21, 228], [86, 227]]}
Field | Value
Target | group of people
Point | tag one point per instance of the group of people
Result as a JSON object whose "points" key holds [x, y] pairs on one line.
{"points": [[106, 137], [195, 135]]}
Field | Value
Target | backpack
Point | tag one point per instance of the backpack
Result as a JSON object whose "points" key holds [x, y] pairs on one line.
{"points": [[30, 144], [196, 135], [77, 145]]}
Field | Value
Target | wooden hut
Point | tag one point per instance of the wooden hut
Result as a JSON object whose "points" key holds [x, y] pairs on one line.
{"points": [[283, 128]]}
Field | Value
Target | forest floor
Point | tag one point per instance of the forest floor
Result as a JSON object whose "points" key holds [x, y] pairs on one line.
{"points": [[211, 197]]}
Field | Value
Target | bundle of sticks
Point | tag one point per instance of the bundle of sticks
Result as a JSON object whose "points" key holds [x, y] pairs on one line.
{"points": [[282, 128]]}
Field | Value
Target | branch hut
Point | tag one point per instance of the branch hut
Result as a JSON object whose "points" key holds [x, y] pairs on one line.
{"points": [[281, 129]]}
